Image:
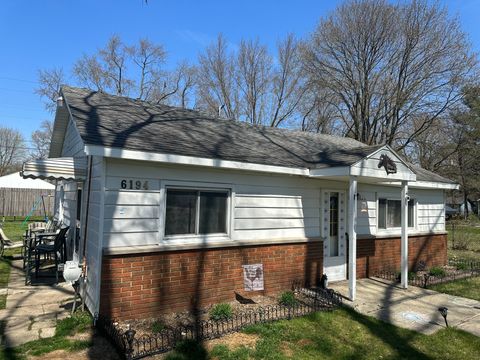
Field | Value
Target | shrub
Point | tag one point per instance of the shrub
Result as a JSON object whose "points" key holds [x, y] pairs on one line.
{"points": [[437, 271], [221, 312], [287, 299], [462, 266], [157, 326], [461, 241]]}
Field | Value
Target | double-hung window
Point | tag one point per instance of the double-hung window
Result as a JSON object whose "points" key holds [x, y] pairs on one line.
{"points": [[390, 213], [196, 212]]}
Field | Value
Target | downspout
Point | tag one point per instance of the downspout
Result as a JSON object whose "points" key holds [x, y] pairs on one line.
{"points": [[84, 252]]}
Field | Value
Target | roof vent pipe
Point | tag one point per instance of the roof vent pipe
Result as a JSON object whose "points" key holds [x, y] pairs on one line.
{"points": [[60, 101]]}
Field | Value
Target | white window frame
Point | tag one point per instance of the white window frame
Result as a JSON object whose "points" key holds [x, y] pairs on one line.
{"points": [[195, 238], [398, 229]]}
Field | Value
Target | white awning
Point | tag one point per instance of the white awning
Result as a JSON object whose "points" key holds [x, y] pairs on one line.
{"points": [[65, 168]]}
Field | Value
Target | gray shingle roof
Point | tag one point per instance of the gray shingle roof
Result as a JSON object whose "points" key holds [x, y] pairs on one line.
{"points": [[121, 122]]}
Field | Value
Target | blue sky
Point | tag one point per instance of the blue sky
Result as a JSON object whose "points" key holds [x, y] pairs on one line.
{"points": [[43, 34]]}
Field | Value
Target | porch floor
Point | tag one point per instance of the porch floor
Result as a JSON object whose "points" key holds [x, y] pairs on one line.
{"points": [[414, 308]]}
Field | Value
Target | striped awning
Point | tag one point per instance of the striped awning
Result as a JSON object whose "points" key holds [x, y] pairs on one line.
{"points": [[65, 168]]}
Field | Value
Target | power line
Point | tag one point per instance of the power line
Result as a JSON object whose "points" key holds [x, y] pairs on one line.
{"points": [[16, 90], [16, 79]]}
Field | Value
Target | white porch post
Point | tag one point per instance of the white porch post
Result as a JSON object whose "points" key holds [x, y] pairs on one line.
{"points": [[352, 237], [404, 241]]}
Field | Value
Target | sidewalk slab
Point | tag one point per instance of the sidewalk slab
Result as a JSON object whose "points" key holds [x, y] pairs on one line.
{"points": [[413, 308], [32, 311]]}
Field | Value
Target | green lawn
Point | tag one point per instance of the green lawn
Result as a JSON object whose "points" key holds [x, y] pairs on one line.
{"points": [[14, 228], [469, 288], [341, 334], [464, 235], [4, 275]]}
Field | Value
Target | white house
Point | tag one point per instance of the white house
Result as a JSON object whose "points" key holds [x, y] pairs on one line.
{"points": [[173, 203]]}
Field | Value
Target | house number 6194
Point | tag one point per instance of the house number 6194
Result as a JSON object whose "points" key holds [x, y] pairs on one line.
{"points": [[134, 184]]}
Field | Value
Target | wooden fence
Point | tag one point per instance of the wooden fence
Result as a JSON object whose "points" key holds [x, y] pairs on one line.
{"points": [[19, 202]]}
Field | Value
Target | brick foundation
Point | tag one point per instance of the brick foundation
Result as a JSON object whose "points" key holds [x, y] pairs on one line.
{"points": [[384, 254], [145, 285]]}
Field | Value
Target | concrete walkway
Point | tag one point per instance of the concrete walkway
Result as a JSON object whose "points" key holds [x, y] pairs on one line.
{"points": [[414, 308], [32, 311]]}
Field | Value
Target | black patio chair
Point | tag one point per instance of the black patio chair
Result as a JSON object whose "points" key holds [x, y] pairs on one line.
{"points": [[56, 249]]}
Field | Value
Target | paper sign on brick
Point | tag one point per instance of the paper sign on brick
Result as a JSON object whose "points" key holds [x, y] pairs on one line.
{"points": [[253, 277]]}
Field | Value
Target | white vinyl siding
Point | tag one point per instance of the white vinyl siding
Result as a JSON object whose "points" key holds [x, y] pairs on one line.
{"points": [[94, 234], [263, 206], [72, 144], [429, 215]]}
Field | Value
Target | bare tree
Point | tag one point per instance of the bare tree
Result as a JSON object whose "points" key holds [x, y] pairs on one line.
{"points": [[288, 87], [12, 150], [49, 88], [253, 80], [248, 85], [90, 73], [114, 56], [181, 91], [216, 78], [41, 140], [387, 64], [149, 58]]}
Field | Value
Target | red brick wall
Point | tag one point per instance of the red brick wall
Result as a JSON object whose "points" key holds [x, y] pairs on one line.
{"points": [[144, 285], [384, 254]]}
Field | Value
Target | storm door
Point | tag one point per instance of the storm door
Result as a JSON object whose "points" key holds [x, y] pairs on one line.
{"points": [[334, 249]]}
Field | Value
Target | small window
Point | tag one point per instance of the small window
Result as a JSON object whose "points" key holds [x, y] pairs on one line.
{"points": [[196, 212], [390, 213]]}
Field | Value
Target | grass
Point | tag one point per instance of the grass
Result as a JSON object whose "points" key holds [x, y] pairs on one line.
{"points": [[342, 334], [4, 272], [79, 322], [4, 276], [14, 228], [469, 288], [466, 234]]}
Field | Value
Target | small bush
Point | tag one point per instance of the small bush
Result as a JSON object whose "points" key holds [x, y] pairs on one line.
{"points": [[287, 299], [221, 312], [437, 271], [462, 266], [157, 326]]}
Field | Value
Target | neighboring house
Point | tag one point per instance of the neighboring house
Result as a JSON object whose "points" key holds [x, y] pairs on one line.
{"points": [[173, 203], [18, 196]]}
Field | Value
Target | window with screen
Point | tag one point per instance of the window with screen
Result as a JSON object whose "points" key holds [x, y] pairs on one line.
{"points": [[196, 212], [390, 213]]}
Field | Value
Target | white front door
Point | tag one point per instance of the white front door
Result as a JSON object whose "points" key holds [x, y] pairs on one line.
{"points": [[334, 220]]}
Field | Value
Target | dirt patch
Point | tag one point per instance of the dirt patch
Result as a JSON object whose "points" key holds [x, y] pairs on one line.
{"points": [[233, 341], [286, 350], [187, 318], [304, 342]]}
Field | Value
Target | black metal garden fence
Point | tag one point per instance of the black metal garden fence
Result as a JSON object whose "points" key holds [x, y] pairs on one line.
{"points": [[130, 347], [464, 269]]}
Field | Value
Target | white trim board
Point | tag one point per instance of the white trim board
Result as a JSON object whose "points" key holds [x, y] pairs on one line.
{"points": [[344, 171], [191, 160]]}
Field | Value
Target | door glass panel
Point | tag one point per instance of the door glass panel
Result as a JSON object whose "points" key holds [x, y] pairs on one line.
{"points": [[333, 234]]}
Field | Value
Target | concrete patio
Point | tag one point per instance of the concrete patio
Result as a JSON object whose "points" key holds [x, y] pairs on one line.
{"points": [[414, 308], [31, 312]]}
